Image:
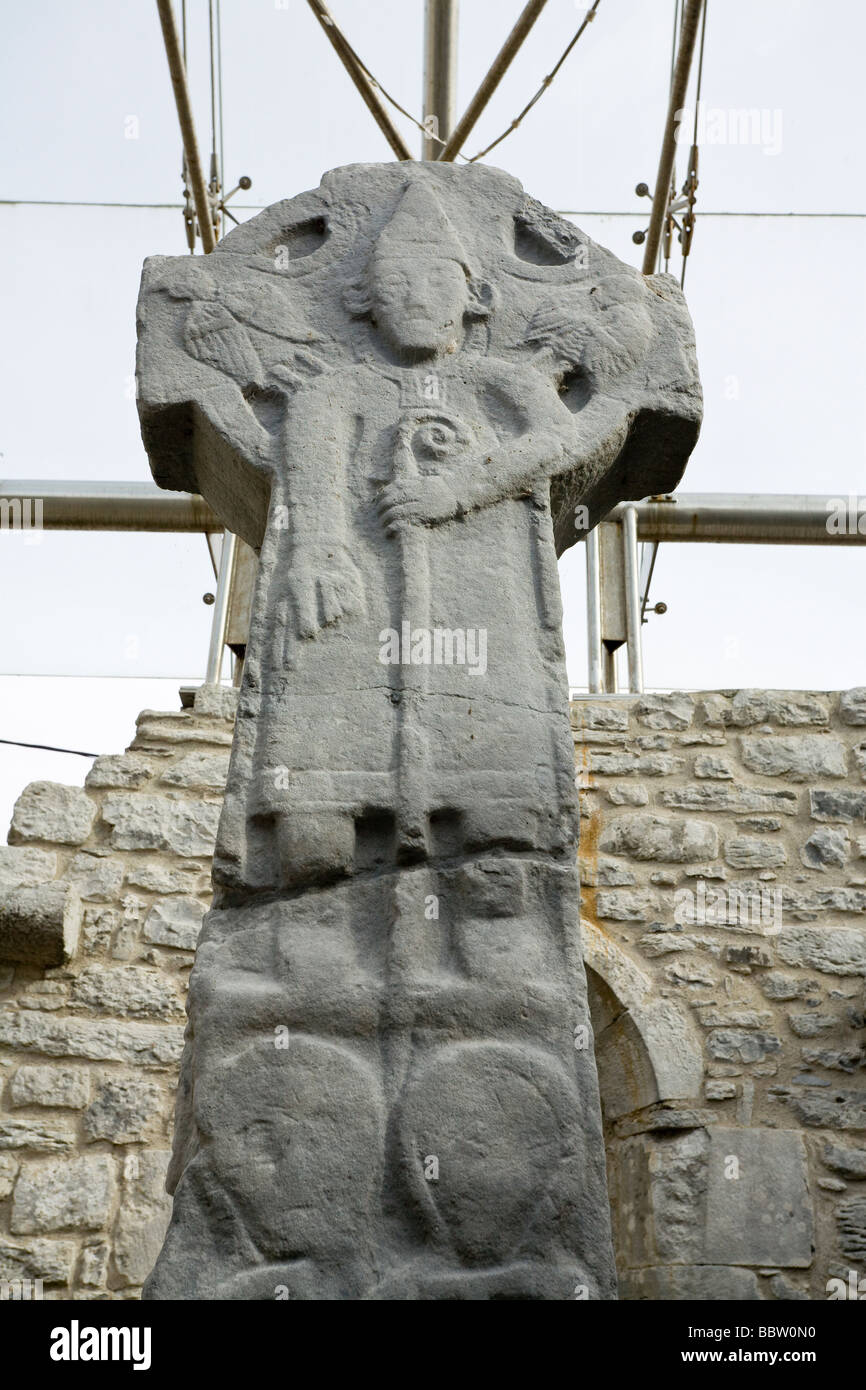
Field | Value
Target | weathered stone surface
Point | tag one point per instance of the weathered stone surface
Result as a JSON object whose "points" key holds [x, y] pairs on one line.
{"points": [[851, 1223], [122, 1110], [156, 732], [811, 1025], [674, 711], [8, 1172], [785, 707], [840, 1109], [622, 905], [799, 757], [174, 922], [832, 950], [66, 1087], [43, 1136], [218, 701], [78, 1194], [747, 852], [23, 866], [97, 878], [605, 764], [140, 1043], [703, 1283], [144, 1215], [670, 839], [403, 422], [93, 1270], [127, 991], [119, 770], [49, 811], [712, 797], [825, 846], [198, 772], [624, 795], [187, 828], [741, 1045], [720, 1090], [849, 1162], [852, 706], [48, 1260], [712, 766], [758, 1206], [838, 805], [40, 926], [162, 878]]}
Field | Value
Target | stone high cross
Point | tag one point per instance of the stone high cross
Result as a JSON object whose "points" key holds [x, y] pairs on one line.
{"points": [[409, 391]]}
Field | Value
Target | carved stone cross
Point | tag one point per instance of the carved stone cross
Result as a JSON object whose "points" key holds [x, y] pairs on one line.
{"points": [[406, 390]]}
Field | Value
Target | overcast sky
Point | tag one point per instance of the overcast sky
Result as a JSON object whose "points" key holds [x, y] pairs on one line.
{"points": [[779, 304]]}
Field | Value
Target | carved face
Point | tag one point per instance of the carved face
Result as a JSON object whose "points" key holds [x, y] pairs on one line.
{"points": [[419, 303]]}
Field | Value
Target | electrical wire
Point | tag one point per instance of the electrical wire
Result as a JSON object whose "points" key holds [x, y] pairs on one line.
{"points": [[590, 15], [47, 748]]}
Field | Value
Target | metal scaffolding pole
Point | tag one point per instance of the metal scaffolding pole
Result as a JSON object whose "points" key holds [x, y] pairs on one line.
{"points": [[177, 71], [679, 86], [464, 127], [353, 67], [632, 600], [440, 72], [221, 610]]}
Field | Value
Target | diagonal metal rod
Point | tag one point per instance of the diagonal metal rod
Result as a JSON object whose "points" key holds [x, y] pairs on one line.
{"points": [[499, 67], [177, 70], [679, 86], [350, 62]]}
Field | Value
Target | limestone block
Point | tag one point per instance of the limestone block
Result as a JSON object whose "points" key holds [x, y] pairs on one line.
{"points": [[144, 1044], [832, 950], [144, 1215], [633, 764], [837, 805], [198, 772], [624, 795], [623, 905], [218, 701], [93, 1268], [851, 1225], [187, 828], [763, 1215], [78, 1194], [852, 706], [64, 1087], [22, 866], [48, 1260], [836, 1108], [164, 878], [710, 765], [674, 711], [119, 770], [714, 797], [49, 811], [748, 852], [670, 839], [42, 1136], [122, 1110], [811, 1025], [844, 1159], [40, 926], [799, 757], [741, 1045], [127, 991], [174, 922], [785, 707], [161, 733], [97, 878], [825, 846]]}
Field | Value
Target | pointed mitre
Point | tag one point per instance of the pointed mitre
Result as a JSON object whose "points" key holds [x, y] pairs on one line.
{"points": [[419, 226]]}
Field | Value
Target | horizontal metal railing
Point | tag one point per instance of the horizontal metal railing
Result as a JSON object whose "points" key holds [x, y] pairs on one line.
{"points": [[721, 518]]}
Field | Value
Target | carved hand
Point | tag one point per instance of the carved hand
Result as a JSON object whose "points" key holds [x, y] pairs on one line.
{"points": [[412, 501], [324, 586]]}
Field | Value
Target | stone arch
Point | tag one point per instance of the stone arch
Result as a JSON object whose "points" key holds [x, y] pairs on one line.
{"points": [[647, 1048]]}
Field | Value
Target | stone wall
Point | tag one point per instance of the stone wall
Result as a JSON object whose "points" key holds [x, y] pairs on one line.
{"points": [[723, 857], [102, 892], [729, 1029]]}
